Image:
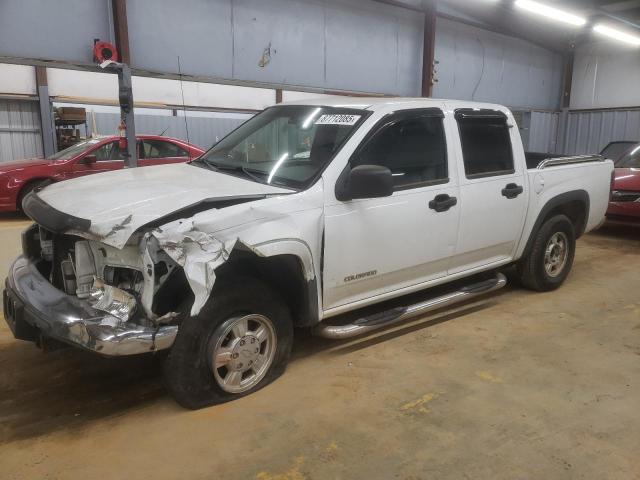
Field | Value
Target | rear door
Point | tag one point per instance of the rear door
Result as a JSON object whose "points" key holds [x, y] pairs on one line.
{"points": [[381, 245], [158, 152], [493, 190]]}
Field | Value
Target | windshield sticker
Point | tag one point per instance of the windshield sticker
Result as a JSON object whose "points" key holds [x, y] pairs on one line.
{"points": [[337, 119]]}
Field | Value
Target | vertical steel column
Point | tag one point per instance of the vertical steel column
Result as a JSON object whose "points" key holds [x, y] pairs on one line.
{"points": [[428, 48], [278, 95], [48, 131], [121, 31], [127, 115]]}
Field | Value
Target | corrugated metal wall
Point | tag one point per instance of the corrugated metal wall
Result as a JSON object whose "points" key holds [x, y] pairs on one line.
{"points": [[590, 132], [543, 132], [19, 130], [203, 131]]}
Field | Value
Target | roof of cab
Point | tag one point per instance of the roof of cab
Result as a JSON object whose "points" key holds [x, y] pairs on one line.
{"points": [[375, 103]]}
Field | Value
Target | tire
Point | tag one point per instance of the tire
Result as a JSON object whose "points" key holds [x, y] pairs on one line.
{"points": [[549, 262], [190, 373], [27, 189]]}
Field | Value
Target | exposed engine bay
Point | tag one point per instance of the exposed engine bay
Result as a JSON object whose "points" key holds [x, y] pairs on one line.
{"points": [[139, 282]]}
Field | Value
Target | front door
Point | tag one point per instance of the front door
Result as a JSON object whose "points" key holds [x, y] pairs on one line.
{"points": [[382, 245], [108, 157]]}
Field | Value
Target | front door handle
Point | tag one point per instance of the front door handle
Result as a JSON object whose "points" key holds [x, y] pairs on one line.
{"points": [[442, 202], [512, 190]]}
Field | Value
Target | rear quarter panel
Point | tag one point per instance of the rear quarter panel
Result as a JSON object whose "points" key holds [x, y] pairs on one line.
{"points": [[546, 184]]}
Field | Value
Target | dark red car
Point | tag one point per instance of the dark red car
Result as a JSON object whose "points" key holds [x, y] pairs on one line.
{"points": [[94, 155], [625, 195]]}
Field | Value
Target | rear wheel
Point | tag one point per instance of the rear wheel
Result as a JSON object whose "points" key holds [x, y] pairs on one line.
{"points": [[549, 262], [239, 342]]}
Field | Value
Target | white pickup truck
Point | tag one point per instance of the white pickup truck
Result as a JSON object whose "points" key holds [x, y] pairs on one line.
{"points": [[305, 212]]}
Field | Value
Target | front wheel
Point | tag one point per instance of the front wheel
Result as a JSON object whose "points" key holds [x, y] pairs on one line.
{"points": [[239, 342], [549, 262]]}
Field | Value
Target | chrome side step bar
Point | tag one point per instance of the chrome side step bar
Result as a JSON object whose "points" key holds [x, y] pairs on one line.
{"points": [[398, 314]]}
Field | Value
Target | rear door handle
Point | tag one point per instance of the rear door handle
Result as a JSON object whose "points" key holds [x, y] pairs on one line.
{"points": [[442, 202], [512, 190]]}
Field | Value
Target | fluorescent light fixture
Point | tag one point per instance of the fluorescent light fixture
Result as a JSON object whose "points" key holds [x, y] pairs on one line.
{"points": [[617, 35], [310, 118], [551, 12], [277, 166]]}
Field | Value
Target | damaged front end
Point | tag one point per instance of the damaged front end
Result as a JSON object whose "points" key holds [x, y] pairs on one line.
{"points": [[123, 287], [89, 294]]}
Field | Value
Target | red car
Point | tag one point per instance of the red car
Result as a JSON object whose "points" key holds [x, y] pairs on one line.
{"points": [[94, 155], [624, 206]]}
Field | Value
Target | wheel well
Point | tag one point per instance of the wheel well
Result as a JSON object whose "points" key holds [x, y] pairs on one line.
{"points": [[283, 273], [575, 210], [27, 185], [574, 204]]}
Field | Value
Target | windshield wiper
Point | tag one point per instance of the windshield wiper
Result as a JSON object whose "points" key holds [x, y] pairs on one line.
{"points": [[236, 168], [247, 172]]}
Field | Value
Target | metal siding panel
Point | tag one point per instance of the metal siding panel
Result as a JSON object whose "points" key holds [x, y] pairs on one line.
{"points": [[362, 47], [543, 132], [476, 64], [199, 31], [19, 130], [53, 30], [590, 132], [294, 32], [332, 44], [604, 76], [203, 131]]}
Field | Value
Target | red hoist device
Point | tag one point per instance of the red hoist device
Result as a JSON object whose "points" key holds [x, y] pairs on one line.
{"points": [[106, 55]]}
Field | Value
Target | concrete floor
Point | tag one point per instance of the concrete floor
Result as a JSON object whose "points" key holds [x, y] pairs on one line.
{"points": [[521, 385]]}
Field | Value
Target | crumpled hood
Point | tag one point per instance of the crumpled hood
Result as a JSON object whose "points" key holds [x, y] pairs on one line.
{"points": [[118, 203], [6, 167]]}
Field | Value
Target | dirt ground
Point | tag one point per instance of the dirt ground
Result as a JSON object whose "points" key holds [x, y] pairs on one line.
{"points": [[518, 386]]}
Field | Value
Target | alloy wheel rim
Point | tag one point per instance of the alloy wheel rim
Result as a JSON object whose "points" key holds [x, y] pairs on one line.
{"points": [[243, 353], [556, 253]]}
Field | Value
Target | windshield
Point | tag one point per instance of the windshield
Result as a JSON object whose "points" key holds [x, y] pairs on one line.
{"points": [[615, 150], [631, 159], [287, 146], [73, 150]]}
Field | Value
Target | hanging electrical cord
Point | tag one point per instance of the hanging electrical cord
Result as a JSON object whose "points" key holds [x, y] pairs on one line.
{"points": [[184, 108]]}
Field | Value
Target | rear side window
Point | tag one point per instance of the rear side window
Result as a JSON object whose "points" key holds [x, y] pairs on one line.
{"points": [[486, 144], [161, 149], [412, 145]]}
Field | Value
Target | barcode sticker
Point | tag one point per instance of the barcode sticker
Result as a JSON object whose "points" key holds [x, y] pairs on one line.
{"points": [[337, 119]]}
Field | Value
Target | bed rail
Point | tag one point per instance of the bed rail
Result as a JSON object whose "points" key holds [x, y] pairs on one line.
{"points": [[556, 161]]}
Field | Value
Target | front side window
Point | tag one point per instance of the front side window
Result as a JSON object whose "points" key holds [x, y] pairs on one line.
{"points": [[412, 145], [107, 152], [161, 149], [486, 143], [288, 145]]}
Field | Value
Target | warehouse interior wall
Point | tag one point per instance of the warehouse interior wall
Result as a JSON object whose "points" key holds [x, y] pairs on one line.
{"points": [[360, 46], [476, 64], [605, 75]]}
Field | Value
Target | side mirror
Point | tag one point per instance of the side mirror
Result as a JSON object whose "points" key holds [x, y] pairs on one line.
{"points": [[367, 181], [88, 160]]}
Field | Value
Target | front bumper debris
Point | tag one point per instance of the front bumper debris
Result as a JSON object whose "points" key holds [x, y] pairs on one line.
{"points": [[33, 307]]}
